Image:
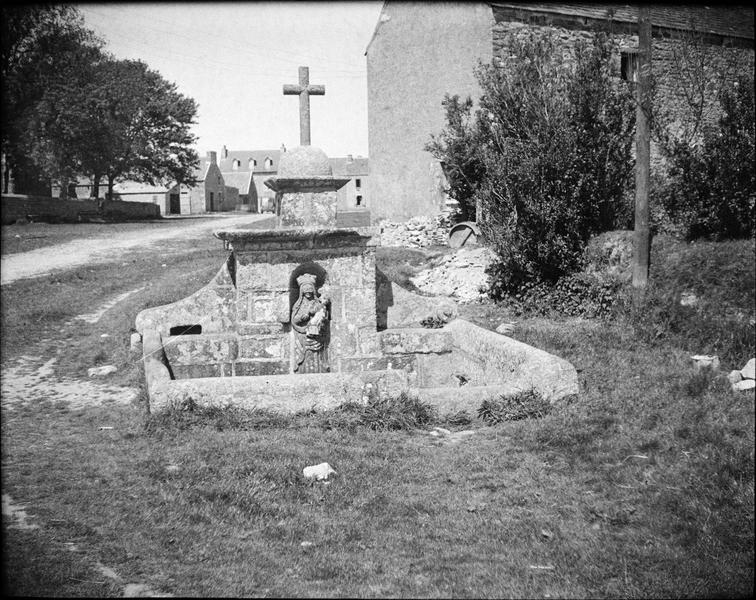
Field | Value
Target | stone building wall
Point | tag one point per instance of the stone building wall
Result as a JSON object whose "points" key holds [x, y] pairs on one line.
{"points": [[408, 74], [675, 78]]}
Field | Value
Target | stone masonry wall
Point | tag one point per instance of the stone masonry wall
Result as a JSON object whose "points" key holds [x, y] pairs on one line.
{"points": [[52, 209], [266, 291], [672, 74]]}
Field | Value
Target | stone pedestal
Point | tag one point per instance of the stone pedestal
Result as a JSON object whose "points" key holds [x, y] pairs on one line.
{"points": [[266, 265]]}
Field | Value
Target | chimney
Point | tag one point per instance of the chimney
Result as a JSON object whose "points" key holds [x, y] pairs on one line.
{"points": [[212, 157], [224, 152], [283, 148], [349, 158]]}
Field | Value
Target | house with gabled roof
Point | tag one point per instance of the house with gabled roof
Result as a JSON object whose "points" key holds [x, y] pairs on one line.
{"points": [[355, 194], [206, 192], [421, 51], [235, 166]]}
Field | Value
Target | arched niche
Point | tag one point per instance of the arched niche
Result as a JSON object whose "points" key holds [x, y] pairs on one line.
{"points": [[307, 267]]}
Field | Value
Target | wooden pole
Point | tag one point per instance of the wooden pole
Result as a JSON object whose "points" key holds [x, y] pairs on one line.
{"points": [[642, 237]]}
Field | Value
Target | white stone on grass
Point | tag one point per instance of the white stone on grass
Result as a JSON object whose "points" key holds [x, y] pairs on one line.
{"points": [[101, 371], [705, 361], [319, 472], [734, 376], [135, 342], [749, 371], [742, 386]]}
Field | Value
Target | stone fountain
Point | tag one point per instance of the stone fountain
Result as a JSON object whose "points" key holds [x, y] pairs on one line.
{"points": [[298, 317]]}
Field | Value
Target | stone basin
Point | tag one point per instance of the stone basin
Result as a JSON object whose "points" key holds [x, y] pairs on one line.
{"points": [[231, 343]]}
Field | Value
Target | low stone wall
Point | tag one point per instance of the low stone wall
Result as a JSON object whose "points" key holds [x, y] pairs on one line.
{"points": [[53, 210]]}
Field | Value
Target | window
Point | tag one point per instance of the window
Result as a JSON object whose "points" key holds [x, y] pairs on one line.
{"points": [[629, 65], [251, 164], [358, 183], [359, 201], [268, 163], [236, 164]]}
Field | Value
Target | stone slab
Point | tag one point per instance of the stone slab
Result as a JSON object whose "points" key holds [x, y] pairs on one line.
{"points": [[200, 349], [415, 341], [287, 394], [506, 361]]}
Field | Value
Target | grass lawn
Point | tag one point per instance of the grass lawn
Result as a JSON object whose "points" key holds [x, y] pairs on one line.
{"points": [[643, 487]]}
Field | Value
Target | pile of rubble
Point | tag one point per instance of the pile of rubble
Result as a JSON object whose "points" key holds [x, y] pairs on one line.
{"points": [[418, 232], [461, 275], [745, 379]]}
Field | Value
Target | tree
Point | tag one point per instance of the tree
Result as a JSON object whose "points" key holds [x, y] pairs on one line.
{"points": [[456, 147], [43, 46], [138, 126]]}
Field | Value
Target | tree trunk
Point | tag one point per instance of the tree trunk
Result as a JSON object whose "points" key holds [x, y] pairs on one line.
{"points": [[63, 194], [111, 183], [96, 186]]}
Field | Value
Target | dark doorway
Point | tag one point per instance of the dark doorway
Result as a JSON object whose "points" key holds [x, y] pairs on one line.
{"points": [[175, 205]]}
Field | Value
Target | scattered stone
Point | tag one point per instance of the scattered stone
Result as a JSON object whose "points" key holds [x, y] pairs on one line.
{"points": [[306, 544], [105, 335], [546, 533], [749, 371], [705, 361], [101, 371], [452, 437], [734, 377], [505, 328], [319, 472], [688, 299], [742, 386], [461, 275], [136, 342], [142, 590], [172, 468]]}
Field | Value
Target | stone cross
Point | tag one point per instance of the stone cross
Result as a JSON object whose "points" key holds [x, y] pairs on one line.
{"points": [[304, 90]]}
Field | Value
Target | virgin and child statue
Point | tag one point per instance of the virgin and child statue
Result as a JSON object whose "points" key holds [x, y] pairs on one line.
{"points": [[310, 318]]}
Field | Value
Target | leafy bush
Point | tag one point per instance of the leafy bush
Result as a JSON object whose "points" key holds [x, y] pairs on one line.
{"points": [[710, 190], [577, 295], [524, 405], [547, 156]]}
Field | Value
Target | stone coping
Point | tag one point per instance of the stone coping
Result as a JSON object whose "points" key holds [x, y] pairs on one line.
{"points": [[298, 238], [322, 183]]}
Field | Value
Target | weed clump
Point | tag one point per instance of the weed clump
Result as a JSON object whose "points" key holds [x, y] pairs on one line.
{"points": [[524, 405], [381, 414]]}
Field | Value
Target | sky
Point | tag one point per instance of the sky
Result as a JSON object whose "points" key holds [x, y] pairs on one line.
{"points": [[233, 59]]}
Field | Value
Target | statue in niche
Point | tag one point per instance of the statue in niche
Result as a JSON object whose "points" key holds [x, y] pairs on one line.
{"points": [[310, 317]]}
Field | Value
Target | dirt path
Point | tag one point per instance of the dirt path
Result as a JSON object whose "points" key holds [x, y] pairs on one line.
{"points": [[101, 250]]}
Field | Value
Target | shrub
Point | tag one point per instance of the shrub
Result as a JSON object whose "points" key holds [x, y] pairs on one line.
{"points": [[710, 191], [554, 134], [524, 405], [576, 295]]}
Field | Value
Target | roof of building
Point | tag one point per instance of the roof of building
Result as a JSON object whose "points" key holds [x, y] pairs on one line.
{"points": [[340, 165], [200, 172], [244, 156], [730, 20], [344, 166], [136, 187], [238, 179]]}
